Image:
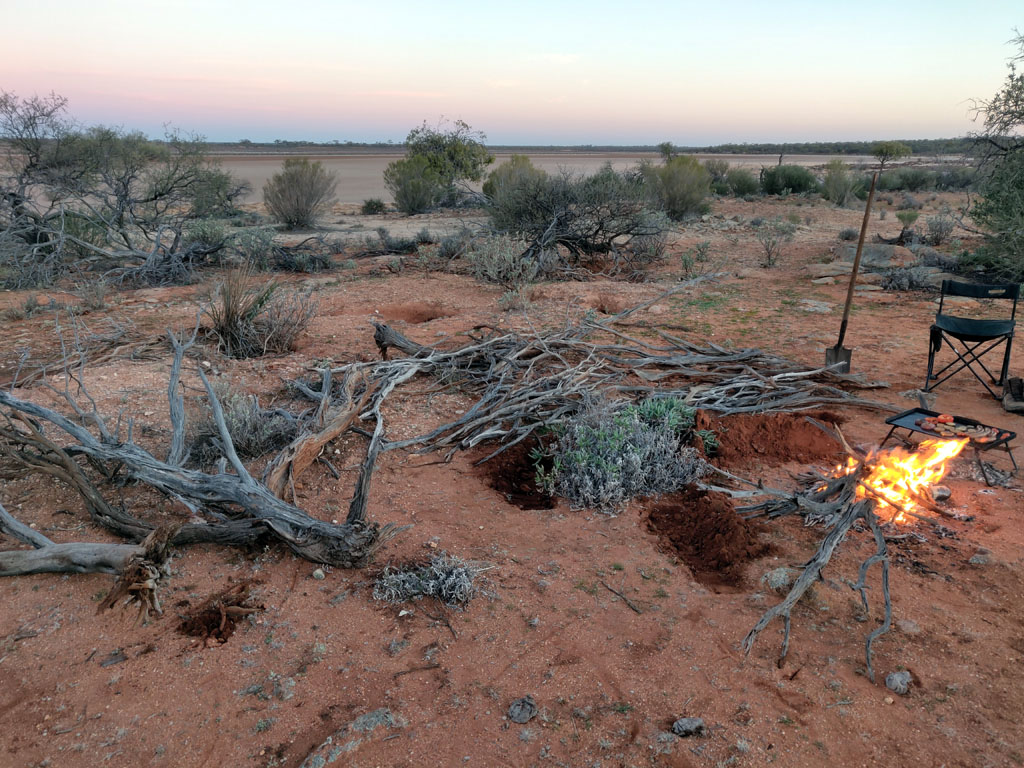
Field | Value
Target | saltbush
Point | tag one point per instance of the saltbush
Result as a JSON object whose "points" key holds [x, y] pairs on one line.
{"points": [[679, 186], [788, 179], [742, 182], [414, 184], [301, 193]]}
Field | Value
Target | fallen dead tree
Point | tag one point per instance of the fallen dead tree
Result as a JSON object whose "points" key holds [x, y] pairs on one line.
{"points": [[233, 507], [840, 503], [521, 383]]}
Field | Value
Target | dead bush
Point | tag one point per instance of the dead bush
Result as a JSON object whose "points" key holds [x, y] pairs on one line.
{"points": [[254, 430], [450, 579]]}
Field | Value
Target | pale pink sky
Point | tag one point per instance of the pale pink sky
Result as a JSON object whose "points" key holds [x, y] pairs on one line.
{"points": [[571, 72]]}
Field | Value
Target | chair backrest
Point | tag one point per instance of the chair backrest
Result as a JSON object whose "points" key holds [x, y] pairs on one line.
{"points": [[1007, 291]]}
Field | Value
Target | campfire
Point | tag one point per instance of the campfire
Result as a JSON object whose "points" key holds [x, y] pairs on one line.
{"points": [[900, 480]]}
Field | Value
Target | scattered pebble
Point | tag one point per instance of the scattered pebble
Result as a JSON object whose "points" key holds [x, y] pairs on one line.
{"points": [[898, 682], [522, 710], [688, 726], [319, 574]]}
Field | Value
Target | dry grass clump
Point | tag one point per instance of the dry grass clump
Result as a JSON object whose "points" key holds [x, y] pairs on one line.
{"points": [[450, 579], [250, 320]]}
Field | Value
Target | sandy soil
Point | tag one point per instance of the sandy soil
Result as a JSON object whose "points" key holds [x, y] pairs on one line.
{"points": [[323, 658]]}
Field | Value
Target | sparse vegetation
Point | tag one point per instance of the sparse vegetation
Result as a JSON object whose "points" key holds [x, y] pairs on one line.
{"points": [[373, 206], [254, 431], [500, 260], [301, 193], [839, 186], [450, 579], [250, 321], [679, 186], [788, 179], [773, 235], [610, 454]]}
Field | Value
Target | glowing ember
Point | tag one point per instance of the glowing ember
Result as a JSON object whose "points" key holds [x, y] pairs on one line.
{"points": [[897, 478]]}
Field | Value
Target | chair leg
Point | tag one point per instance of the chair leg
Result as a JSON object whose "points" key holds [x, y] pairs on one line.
{"points": [[1006, 361], [931, 365]]}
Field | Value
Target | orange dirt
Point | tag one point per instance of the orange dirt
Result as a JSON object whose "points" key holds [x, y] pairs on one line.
{"points": [[400, 688]]}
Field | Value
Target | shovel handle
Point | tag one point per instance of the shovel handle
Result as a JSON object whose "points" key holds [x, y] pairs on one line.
{"points": [[856, 262]]}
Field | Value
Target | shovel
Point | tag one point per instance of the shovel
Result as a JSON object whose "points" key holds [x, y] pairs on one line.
{"points": [[839, 356]]}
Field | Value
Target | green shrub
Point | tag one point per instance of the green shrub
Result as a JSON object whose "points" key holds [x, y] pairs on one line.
{"points": [[849, 233], [215, 193], [500, 260], [788, 179], [301, 193], [680, 186], [209, 235], [839, 185], [940, 228], [742, 182], [907, 218], [254, 246], [606, 456], [415, 186], [513, 173], [373, 206], [717, 168], [1001, 212], [453, 152], [955, 178]]}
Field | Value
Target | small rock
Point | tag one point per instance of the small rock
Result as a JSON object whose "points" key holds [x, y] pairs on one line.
{"points": [[810, 305], [688, 726], [866, 288], [779, 579], [824, 281], [980, 559], [522, 710], [941, 493], [319, 574], [898, 682], [889, 700], [908, 627]]}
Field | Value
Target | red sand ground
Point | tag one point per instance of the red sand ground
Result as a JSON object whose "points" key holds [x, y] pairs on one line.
{"points": [[79, 689]]}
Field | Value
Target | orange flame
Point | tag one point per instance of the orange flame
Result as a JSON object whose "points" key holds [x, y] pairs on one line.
{"points": [[897, 478]]}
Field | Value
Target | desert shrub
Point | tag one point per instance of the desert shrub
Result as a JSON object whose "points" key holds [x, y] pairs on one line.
{"points": [[311, 256], [514, 172], [500, 260], [839, 185], [606, 456], [254, 431], [250, 321], [940, 228], [373, 206], [415, 186], [742, 182], [907, 279], [388, 243], [773, 235], [450, 579], [680, 186], [849, 233], [209, 234], [791, 179], [1000, 211], [717, 168], [92, 295], [909, 202], [917, 179], [254, 246], [423, 237], [215, 193], [595, 221], [954, 178], [694, 261], [301, 193], [907, 218]]}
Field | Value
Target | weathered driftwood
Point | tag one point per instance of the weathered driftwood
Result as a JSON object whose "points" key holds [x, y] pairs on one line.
{"points": [[350, 544], [833, 503]]}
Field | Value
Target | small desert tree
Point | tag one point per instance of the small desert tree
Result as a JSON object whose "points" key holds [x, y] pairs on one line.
{"points": [[301, 193], [1000, 209], [667, 150], [453, 152], [888, 151]]}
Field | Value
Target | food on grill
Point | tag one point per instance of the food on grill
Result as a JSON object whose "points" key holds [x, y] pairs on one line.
{"points": [[946, 426]]}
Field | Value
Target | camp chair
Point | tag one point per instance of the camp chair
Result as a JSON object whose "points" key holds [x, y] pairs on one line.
{"points": [[971, 339]]}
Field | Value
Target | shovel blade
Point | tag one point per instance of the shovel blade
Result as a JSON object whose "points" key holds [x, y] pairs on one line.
{"points": [[840, 356]]}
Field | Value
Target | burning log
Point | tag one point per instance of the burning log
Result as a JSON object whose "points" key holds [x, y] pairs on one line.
{"points": [[894, 483]]}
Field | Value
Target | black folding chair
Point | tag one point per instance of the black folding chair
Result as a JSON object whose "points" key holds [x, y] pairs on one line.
{"points": [[971, 339]]}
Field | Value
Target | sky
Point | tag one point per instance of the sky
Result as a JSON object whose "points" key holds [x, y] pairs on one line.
{"points": [[545, 72]]}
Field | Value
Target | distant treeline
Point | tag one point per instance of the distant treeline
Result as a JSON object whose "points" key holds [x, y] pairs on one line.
{"points": [[919, 147]]}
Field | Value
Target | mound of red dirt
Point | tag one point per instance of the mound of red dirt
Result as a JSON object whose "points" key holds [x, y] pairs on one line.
{"points": [[415, 312], [772, 437], [513, 475], [704, 530]]}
